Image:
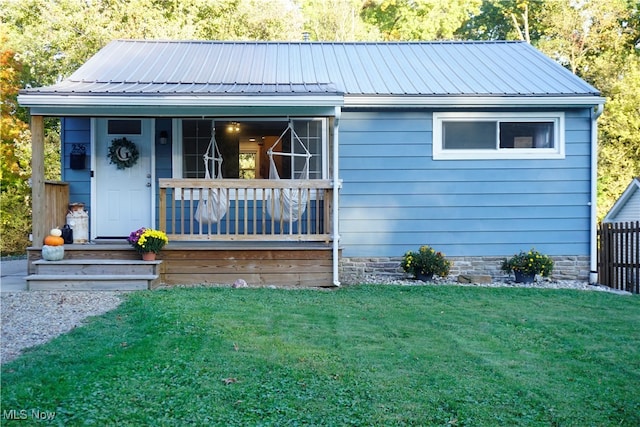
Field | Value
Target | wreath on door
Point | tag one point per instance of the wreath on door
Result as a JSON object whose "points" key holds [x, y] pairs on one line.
{"points": [[123, 153]]}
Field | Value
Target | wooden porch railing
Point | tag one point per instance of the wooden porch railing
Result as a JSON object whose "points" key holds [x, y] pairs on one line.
{"points": [[248, 203], [56, 195]]}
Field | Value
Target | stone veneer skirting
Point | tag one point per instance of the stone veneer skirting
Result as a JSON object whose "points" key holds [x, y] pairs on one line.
{"points": [[353, 270]]}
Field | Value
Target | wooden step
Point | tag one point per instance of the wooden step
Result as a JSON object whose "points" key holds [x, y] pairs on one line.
{"points": [[94, 274], [96, 267], [56, 282]]}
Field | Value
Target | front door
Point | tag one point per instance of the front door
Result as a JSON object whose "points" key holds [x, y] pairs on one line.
{"points": [[122, 199]]}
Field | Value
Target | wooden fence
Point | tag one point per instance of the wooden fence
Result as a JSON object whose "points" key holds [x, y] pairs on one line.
{"points": [[619, 255]]}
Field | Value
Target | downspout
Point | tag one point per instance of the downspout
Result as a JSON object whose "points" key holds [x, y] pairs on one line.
{"points": [[337, 184], [593, 258]]}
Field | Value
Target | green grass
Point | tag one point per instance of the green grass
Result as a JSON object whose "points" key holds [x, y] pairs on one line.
{"points": [[366, 355]]}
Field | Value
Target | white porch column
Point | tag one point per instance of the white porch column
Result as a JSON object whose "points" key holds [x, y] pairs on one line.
{"points": [[38, 213]]}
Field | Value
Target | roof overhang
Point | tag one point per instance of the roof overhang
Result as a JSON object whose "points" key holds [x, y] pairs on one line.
{"points": [[172, 106], [57, 104], [456, 101]]}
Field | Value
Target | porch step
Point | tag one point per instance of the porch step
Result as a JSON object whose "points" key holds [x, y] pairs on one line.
{"points": [[94, 274]]}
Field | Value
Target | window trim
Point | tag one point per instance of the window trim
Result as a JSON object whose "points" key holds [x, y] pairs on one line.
{"points": [[555, 117]]}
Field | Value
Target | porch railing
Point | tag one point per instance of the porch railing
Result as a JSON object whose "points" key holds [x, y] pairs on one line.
{"points": [[248, 206]]}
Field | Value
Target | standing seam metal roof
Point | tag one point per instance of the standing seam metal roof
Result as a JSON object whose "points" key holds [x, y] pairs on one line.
{"points": [[495, 68]]}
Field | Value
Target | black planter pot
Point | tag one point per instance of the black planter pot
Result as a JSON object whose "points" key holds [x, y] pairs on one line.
{"points": [[424, 277], [524, 278]]}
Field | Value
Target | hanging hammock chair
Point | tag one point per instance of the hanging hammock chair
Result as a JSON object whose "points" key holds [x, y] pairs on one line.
{"points": [[212, 206], [288, 204]]}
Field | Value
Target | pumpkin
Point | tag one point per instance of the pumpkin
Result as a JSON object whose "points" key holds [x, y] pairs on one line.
{"points": [[52, 253], [55, 232], [53, 241]]}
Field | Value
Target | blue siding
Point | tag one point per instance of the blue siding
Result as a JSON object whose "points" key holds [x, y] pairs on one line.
{"points": [[77, 130], [395, 197]]}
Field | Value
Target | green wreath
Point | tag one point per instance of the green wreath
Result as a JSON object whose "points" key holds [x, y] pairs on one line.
{"points": [[123, 153]]}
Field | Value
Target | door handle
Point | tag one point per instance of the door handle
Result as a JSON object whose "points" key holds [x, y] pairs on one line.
{"points": [[148, 184]]}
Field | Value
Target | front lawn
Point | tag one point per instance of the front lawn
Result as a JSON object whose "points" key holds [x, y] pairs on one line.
{"points": [[364, 355]]}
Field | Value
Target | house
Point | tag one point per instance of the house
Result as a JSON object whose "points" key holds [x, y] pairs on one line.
{"points": [[627, 207], [479, 149]]}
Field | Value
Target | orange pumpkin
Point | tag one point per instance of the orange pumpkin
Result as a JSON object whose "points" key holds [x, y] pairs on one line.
{"points": [[53, 241]]}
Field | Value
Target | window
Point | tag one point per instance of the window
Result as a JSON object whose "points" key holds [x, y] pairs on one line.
{"points": [[243, 145], [196, 135], [498, 135], [124, 127]]}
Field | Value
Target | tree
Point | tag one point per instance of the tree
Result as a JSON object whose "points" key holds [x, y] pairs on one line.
{"points": [[619, 151], [14, 169], [337, 20], [503, 20], [418, 19]]}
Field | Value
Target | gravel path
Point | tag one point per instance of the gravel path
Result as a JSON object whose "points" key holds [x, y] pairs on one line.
{"points": [[32, 318]]}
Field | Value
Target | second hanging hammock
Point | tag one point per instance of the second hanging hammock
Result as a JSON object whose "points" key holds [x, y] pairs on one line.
{"points": [[288, 204]]}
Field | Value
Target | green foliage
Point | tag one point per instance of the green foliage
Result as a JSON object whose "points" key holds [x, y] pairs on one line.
{"points": [[374, 355], [504, 20], [15, 219], [418, 19], [529, 263], [338, 20], [426, 261]]}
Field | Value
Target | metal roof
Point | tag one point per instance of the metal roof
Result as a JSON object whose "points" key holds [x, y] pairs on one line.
{"points": [[145, 68]]}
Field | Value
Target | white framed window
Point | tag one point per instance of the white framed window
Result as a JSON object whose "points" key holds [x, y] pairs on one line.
{"points": [[486, 135]]}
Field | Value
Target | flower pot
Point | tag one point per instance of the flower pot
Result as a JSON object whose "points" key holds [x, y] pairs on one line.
{"points": [[424, 277], [148, 256], [524, 278]]}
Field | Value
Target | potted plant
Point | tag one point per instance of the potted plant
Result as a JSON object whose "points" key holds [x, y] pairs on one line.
{"points": [[525, 265], [148, 242], [425, 263]]}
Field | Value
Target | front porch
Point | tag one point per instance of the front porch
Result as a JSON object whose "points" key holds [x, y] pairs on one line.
{"points": [[253, 242], [296, 264]]}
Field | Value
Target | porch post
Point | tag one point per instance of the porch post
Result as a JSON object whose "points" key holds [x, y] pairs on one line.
{"points": [[38, 208]]}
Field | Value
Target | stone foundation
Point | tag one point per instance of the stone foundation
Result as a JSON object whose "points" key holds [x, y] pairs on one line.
{"points": [[355, 270]]}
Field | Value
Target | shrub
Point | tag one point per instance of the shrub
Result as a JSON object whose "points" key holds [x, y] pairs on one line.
{"points": [[529, 263], [426, 261]]}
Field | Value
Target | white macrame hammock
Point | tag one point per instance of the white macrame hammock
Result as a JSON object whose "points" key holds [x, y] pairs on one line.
{"points": [[288, 204], [212, 206]]}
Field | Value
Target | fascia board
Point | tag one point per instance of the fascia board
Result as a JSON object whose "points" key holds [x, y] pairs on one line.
{"points": [[55, 100], [454, 101]]}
